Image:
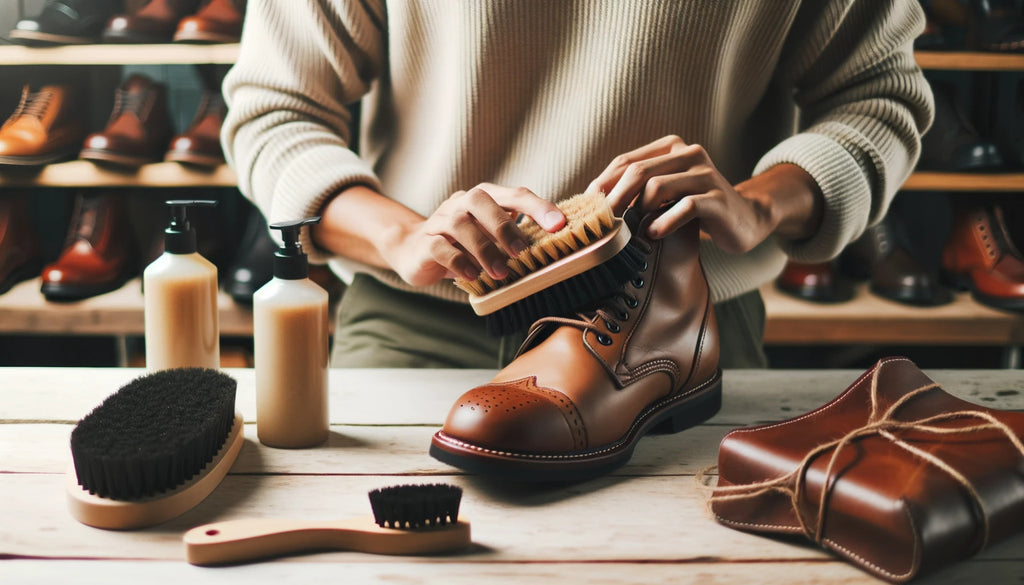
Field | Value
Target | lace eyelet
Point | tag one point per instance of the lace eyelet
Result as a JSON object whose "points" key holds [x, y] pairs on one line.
{"points": [[621, 315], [632, 303], [637, 282], [612, 326], [604, 339], [645, 266]]}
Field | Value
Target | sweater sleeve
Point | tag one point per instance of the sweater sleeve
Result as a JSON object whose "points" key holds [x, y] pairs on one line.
{"points": [[287, 131], [864, 104]]}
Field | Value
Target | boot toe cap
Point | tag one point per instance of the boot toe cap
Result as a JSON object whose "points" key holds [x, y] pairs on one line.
{"points": [[512, 418]]}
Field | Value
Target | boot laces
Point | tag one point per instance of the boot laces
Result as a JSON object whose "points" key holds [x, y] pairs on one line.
{"points": [[86, 218], [125, 101], [33, 104]]}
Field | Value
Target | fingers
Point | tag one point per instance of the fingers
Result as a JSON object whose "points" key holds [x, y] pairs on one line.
{"points": [[522, 200]]}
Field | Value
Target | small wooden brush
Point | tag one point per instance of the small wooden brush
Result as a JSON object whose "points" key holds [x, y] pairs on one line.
{"points": [[559, 272], [407, 520]]}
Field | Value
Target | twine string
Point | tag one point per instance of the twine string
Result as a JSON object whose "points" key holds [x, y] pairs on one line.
{"points": [[793, 484]]}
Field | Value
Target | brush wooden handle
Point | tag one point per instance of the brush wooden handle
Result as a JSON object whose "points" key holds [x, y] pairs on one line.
{"points": [[236, 541]]}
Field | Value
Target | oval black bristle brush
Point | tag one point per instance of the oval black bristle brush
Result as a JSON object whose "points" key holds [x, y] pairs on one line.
{"points": [[407, 520], [561, 272], [154, 449]]}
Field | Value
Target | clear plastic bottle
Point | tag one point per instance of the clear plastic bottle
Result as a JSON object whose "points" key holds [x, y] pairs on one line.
{"points": [[290, 335], [180, 292]]}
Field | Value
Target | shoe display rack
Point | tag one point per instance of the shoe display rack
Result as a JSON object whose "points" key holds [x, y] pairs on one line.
{"points": [[867, 319]]}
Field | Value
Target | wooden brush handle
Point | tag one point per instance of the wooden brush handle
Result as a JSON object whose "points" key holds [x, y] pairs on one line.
{"points": [[245, 540]]}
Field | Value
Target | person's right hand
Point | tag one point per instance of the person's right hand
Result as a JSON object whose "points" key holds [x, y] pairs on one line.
{"points": [[472, 231]]}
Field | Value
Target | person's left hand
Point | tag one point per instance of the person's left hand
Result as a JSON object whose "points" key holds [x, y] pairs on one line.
{"points": [[680, 181]]}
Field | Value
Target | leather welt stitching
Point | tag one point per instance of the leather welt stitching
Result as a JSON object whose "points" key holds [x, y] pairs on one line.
{"points": [[613, 447]]}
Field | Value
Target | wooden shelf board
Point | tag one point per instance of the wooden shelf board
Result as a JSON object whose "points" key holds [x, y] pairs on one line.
{"points": [[969, 61], [24, 310], [83, 173], [936, 181], [871, 319], [114, 54]]}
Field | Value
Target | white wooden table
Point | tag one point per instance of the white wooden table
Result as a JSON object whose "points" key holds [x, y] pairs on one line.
{"points": [[646, 523]]}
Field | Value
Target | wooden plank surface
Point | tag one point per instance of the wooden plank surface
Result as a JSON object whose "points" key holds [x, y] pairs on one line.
{"points": [[116, 54], [969, 61], [83, 173], [936, 181], [645, 523]]}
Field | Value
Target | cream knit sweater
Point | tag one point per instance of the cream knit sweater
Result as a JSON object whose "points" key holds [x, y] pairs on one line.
{"points": [[544, 93]]}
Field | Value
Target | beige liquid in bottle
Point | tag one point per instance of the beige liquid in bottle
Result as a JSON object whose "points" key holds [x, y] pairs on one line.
{"points": [[182, 325], [291, 362]]}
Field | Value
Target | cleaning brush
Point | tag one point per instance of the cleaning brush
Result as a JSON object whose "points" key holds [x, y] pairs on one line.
{"points": [[153, 449], [407, 519], [585, 261]]}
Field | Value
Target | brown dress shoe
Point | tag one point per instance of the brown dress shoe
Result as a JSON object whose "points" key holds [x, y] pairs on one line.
{"points": [[99, 255], [200, 144], [20, 253], [218, 21], [582, 391], [139, 126], [155, 22], [818, 282], [44, 128], [979, 255]]}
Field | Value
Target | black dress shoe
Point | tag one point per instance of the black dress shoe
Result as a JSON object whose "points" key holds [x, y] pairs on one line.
{"points": [[66, 22], [998, 25], [254, 265], [953, 144]]}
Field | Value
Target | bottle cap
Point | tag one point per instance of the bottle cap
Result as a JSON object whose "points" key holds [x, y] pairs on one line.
{"points": [[290, 262], [179, 237]]}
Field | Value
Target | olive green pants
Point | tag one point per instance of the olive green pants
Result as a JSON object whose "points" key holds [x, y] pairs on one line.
{"points": [[382, 327]]}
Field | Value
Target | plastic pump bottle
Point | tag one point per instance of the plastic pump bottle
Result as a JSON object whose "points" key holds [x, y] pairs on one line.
{"points": [[180, 291], [291, 349]]}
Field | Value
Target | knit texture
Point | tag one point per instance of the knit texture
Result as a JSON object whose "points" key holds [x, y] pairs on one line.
{"points": [[544, 94]]}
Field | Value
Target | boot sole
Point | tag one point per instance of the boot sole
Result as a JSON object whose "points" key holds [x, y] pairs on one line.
{"points": [[36, 38], [65, 293], [118, 159], [38, 160], [669, 415]]}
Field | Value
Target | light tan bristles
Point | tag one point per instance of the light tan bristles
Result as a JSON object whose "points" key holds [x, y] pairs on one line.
{"points": [[588, 219]]}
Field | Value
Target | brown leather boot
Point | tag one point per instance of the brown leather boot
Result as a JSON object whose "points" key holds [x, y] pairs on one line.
{"points": [[979, 255], [818, 282], [46, 127], [155, 22], [99, 255], [20, 253], [218, 21], [582, 391], [200, 144], [139, 126]]}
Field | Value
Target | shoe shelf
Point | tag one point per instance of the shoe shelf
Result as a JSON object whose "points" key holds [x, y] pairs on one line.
{"points": [[113, 54], [937, 181], [870, 319], [969, 61], [82, 173]]}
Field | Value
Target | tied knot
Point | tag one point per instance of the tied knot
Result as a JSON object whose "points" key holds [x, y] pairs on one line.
{"points": [[880, 423]]}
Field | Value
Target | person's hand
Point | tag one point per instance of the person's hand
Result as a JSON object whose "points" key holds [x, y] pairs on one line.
{"points": [[681, 183], [472, 231]]}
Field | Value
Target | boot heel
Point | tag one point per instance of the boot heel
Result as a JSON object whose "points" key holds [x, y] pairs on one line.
{"points": [[692, 412]]}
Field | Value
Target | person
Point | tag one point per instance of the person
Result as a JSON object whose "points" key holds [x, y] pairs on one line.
{"points": [[784, 127]]}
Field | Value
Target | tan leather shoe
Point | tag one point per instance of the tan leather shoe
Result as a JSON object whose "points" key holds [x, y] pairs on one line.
{"points": [[980, 255], [99, 255], [218, 21], [44, 128], [139, 126], [582, 391]]}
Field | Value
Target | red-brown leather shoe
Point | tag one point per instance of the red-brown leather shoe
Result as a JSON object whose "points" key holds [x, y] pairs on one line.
{"points": [[218, 21], [46, 127], [582, 391], [200, 144], [980, 255], [139, 126], [155, 22], [816, 282], [20, 253], [99, 255]]}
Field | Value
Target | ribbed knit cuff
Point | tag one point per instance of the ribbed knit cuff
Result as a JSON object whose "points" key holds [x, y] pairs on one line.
{"points": [[847, 193], [309, 180]]}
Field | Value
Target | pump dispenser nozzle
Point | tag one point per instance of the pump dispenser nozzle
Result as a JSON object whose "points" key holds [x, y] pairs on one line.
{"points": [[289, 260], [179, 237]]}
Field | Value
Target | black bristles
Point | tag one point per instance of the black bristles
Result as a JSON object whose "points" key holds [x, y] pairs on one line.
{"points": [[416, 506], [154, 434], [571, 294]]}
